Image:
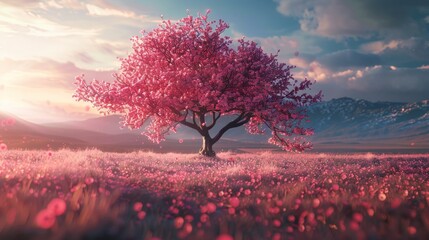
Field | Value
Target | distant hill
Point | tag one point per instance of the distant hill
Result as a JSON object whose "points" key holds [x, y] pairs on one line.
{"points": [[343, 124], [102, 133], [347, 123]]}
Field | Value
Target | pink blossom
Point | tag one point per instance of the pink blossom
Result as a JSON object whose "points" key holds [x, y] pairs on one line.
{"points": [[178, 222], [354, 225], [3, 147], [188, 228], [231, 211], [89, 181], [204, 218], [370, 212], [211, 207], [141, 215], [316, 202], [138, 206], [234, 202], [224, 237], [57, 206], [412, 230], [276, 236], [358, 217], [395, 203], [329, 211], [45, 219], [382, 197], [277, 223]]}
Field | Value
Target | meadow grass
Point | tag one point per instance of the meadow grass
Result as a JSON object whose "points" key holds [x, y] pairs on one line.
{"points": [[142, 195]]}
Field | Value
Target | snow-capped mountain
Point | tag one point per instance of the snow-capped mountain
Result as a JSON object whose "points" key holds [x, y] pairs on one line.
{"points": [[351, 122]]}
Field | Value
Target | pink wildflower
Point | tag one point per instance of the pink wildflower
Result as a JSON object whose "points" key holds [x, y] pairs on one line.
{"points": [[3, 147], [224, 237], [57, 206], [138, 206], [234, 202], [45, 219]]}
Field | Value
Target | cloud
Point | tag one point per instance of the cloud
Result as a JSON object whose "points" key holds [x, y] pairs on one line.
{"points": [[110, 11], [410, 52], [339, 19], [378, 83], [380, 46], [349, 58], [318, 72], [84, 57], [21, 20], [43, 81], [20, 3], [344, 73], [298, 62], [59, 111], [99, 11], [60, 30], [114, 48], [272, 44], [44, 73], [297, 44], [357, 78]]}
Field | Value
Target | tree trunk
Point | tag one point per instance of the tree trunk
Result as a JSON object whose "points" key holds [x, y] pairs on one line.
{"points": [[207, 147]]}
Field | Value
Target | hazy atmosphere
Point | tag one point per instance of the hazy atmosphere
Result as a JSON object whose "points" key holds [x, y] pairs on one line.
{"points": [[217, 120], [373, 50]]}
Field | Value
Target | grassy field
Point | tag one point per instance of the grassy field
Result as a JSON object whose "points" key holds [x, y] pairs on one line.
{"points": [[94, 195]]}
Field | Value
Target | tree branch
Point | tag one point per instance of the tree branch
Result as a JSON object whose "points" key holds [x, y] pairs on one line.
{"points": [[193, 118], [215, 118], [242, 119], [191, 125]]}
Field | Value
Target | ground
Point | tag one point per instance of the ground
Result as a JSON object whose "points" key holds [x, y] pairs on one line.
{"points": [[262, 195]]}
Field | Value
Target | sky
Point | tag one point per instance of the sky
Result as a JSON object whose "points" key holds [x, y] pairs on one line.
{"points": [[376, 50]]}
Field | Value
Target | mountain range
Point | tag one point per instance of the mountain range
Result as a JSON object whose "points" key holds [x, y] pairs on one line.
{"points": [[342, 124], [350, 124]]}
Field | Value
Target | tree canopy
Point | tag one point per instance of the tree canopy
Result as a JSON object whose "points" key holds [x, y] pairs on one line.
{"points": [[189, 73]]}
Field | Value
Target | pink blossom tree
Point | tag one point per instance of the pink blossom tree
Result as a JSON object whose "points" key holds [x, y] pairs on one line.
{"points": [[188, 73]]}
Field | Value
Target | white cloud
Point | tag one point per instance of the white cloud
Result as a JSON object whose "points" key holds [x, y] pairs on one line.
{"points": [[424, 67], [115, 48], [292, 46], [100, 11], [413, 51], [298, 62], [377, 83], [35, 30], [344, 73], [272, 44], [50, 4], [329, 18], [286, 45], [318, 72], [29, 22], [43, 81], [339, 19], [380, 46]]}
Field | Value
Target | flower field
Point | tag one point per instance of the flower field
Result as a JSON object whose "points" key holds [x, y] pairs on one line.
{"points": [[94, 195]]}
